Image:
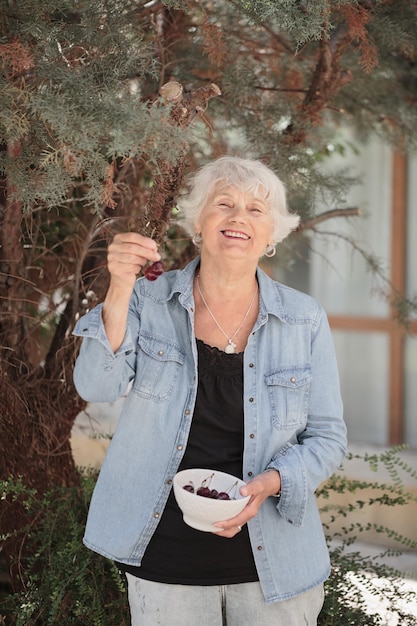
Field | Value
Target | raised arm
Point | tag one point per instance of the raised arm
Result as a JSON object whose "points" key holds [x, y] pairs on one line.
{"points": [[126, 256], [105, 362]]}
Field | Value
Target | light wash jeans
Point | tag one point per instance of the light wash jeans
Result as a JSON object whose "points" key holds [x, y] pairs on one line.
{"points": [[160, 604]]}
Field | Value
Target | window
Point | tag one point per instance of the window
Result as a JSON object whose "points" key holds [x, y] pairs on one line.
{"points": [[377, 358]]}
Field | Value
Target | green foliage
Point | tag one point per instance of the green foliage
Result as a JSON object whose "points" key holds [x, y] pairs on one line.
{"points": [[67, 584], [77, 83], [303, 20], [64, 583], [71, 98]]}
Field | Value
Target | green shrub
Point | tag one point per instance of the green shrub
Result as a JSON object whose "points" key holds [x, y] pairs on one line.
{"points": [[67, 584], [358, 577]]}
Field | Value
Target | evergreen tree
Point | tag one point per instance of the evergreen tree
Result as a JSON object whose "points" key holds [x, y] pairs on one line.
{"points": [[93, 141]]}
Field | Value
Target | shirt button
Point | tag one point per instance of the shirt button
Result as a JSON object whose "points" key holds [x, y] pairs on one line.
{"points": [[169, 481], [180, 447], [293, 379], [251, 399], [251, 365], [187, 411], [252, 436], [161, 352], [260, 548], [85, 330], [156, 515], [250, 473]]}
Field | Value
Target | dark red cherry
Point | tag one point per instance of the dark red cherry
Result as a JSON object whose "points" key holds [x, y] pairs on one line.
{"points": [[189, 488], [153, 271], [223, 496], [204, 491]]}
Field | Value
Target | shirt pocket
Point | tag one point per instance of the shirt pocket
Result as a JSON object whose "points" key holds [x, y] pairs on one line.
{"points": [[288, 392], [159, 362]]}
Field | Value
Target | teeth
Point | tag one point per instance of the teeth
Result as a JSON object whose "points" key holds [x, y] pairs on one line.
{"points": [[233, 233]]}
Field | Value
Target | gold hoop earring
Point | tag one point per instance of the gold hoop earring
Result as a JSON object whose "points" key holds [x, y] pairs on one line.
{"points": [[197, 239], [270, 251]]}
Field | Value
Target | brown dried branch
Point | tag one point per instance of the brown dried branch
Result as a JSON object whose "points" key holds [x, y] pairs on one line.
{"points": [[150, 212], [16, 58], [109, 187], [357, 18], [329, 75], [186, 106], [191, 104], [214, 45]]}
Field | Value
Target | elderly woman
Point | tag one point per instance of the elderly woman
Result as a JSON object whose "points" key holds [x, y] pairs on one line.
{"points": [[230, 370]]}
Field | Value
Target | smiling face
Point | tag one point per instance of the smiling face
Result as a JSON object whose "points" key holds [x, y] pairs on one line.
{"points": [[235, 223]]}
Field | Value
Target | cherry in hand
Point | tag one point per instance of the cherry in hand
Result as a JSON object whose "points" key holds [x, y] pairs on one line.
{"points": [[153, 271]]}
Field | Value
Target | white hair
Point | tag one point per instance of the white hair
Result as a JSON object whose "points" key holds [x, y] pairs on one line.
{"points": [[248, 175]]}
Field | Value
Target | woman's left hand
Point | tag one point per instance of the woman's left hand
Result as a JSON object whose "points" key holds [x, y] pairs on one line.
{"points": [[260, 488]]}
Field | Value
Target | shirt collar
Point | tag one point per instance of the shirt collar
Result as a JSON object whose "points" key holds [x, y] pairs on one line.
{"points": [[270, 302]]}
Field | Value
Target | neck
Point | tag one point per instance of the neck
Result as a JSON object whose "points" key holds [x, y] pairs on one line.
{"points": [[232, 336], [227, 281]]}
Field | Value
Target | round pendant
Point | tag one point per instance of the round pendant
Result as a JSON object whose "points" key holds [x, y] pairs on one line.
{"points": [[230, 348]]}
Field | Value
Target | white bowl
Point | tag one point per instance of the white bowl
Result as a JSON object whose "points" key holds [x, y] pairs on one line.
{"points": [[200, 512]]}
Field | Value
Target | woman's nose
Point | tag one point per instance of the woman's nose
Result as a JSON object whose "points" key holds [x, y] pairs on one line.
{"points": [[238, 213]]}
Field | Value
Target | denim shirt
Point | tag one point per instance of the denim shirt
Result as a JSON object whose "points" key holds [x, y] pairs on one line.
{"points": [[292, 422]]}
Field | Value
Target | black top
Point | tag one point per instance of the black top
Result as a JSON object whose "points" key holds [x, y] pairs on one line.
{"points": [[178, 553]]}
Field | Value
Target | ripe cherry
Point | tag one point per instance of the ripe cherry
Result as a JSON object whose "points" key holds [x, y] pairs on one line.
{"points": [[204, 491], [153, 271]]}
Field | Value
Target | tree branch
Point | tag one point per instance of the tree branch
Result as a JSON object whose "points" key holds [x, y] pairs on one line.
{"points": [[327, 215], [328, 78]]}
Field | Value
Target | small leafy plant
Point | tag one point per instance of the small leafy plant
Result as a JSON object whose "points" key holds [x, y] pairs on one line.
{"points": [[359, 581], [63, 582]]}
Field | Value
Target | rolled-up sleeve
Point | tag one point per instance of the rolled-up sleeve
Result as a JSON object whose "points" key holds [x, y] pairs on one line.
{"points": [[100, 375]]}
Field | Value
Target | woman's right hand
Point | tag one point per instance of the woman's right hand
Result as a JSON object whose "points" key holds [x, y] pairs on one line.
{"points": [[126, 255]]}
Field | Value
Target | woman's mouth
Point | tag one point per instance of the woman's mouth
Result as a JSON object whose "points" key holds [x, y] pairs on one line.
{"points": [[235, 234]]}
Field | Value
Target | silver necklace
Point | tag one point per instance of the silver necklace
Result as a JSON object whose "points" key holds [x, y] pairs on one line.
{"points": [[230, 348]]}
